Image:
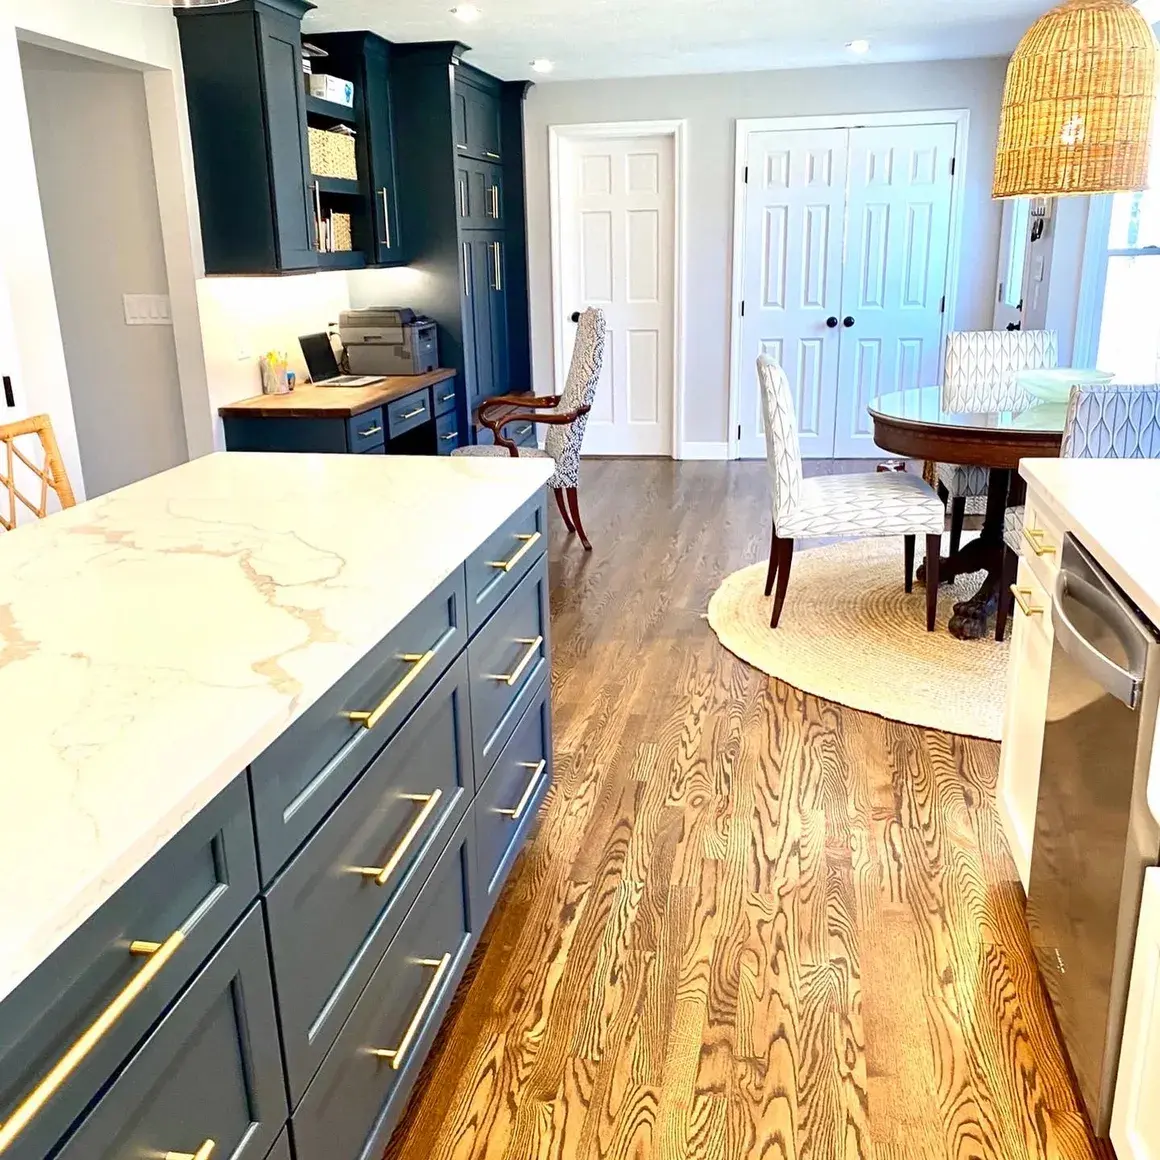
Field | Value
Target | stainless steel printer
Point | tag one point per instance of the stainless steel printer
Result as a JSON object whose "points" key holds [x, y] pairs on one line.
{"points": [[388, 341]]}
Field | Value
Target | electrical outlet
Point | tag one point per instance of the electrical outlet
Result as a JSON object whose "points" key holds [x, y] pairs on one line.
{"points": [[147, 310]]}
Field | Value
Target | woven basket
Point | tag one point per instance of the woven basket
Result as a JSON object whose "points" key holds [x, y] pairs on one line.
{"points": [[332, 154], [1078, 103], [340, 233]]}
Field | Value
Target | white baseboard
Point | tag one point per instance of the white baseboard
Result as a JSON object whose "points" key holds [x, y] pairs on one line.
{"points": [[704, 451]]}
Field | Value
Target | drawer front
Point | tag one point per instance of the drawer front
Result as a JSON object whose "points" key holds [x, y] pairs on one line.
{"points": [[209, 1071], [355, 1100], [511, 796], [504, 559], [1041, 542], [330, 917], [523, 434], [304, 773], [185, 900], [366, 431], [409, 412], [508, 662], [447, 433], [444, 396]]}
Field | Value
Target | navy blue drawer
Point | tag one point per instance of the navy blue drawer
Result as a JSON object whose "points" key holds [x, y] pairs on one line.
{"points": [[330, 918], [444, 393], [447, 433], [511, 796], [210, 1070], [366, 431], [409, 412], [303, 774], [508, 660], [182, 902], [504, 559], [355, 1100]]}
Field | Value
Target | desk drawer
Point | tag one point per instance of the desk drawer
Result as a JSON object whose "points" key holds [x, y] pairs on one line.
{"points": [[508, 660], [409, 412], [185, 899], [447, 433], [444, 393], [210, 1070], [305, 772], [511, 796], [366, 431], [355, 1100], [504, 558], [329, 921]]}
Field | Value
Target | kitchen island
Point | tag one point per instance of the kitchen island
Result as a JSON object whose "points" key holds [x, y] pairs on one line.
{"points": [[272, 725]]}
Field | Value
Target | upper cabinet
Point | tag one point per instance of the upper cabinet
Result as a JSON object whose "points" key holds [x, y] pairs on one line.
{"points": [[247, 118], [477, 116]]}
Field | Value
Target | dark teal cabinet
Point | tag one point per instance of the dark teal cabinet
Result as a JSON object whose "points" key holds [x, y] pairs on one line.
{"points": [[481, 115], [247, 119]]}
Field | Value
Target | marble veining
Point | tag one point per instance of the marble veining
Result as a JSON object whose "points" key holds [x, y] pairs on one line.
{"points": [[154, 641]]}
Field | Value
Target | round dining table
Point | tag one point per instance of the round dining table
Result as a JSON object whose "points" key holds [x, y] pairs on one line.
{"points": [[915, 424]]}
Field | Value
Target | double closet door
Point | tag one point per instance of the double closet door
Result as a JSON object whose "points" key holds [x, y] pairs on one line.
{"points": [[845, 259]]}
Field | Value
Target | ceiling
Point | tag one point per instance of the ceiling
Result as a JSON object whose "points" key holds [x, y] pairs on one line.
{"points": [[627, 38]]}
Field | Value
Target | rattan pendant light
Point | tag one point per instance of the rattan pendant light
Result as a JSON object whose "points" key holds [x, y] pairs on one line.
{"points": [[1078, 103]]}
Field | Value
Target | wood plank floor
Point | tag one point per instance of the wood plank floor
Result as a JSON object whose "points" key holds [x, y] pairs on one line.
{"points": [[752, 923]]}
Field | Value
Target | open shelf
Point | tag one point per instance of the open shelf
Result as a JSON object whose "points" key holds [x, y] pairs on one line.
{"points": [[317, 107], [342, 260], [339, 185]]}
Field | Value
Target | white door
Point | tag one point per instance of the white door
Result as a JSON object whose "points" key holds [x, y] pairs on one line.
{"points": [[895, 273], [617, 206], [1013, 259], [795, 201], [11, 394]]}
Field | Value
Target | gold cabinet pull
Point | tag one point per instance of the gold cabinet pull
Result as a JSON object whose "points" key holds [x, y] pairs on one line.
{"points": [[1034, 536], [412, 414], [510, 679], [369, 718], [382, 874], [1022, 598], [529, 541], [397, 1056], [370, 431], [537, 767], [203, 1153], [159, 954]]}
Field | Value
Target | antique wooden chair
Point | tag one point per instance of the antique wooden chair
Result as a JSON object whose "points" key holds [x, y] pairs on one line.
{"points": [[24, 469]]}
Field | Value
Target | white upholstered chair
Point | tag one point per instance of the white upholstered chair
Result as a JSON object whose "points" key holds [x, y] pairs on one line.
{"points": [[979, 375], [866, 504]]}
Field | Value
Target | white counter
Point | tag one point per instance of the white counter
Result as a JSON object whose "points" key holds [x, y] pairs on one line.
{"points": [[154, 641]]}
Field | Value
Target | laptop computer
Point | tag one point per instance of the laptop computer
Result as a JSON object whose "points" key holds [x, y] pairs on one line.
{"points": [[323, 366]]}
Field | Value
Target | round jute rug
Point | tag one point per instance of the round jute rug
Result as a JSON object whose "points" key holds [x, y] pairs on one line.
{"points": [[850, 633]]}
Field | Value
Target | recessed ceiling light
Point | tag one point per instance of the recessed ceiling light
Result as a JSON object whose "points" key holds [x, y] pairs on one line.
{"points": [[468, 13], [541, 65], [858, 46]]}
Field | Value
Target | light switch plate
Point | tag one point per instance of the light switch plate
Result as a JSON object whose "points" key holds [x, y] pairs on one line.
{"points": [[147, 310]]}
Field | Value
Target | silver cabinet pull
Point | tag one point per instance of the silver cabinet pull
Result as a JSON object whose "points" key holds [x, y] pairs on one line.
{"points": [[495, 249], [466, 270], [489, 153], [411, 414], [449, 436], [317, 217], [447, 397], [462, 199], [386, 219], [370, 431]]}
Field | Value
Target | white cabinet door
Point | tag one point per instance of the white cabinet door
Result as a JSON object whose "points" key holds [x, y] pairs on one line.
{"points": [[1136, 1111], [795, 200], [11, 395], [1028, 674], [894, 285]]}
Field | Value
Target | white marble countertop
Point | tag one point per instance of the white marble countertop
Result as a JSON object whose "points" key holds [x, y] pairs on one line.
{"points": [[154, 641]]}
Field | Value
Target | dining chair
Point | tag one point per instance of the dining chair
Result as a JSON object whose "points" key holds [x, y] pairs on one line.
{"points": [[1103, 422], [566, 417], [865, 504], [44, 465], [979, 375]]}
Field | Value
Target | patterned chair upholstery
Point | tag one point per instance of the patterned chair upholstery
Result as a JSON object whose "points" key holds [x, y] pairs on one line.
{"points": [[979, 375], [864, 504]]}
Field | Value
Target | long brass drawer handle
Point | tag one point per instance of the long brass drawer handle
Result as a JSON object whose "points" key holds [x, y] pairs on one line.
{"points": [[159, 954], [203, 1153], [397, 1055], [1022, 598], [510, 679], [529, 541], [1034, 536], [369, 718], [370, 431], [382, 874], [412, 414], [537, 767]]}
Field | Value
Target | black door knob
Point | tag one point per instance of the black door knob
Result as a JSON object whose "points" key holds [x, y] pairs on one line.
{"points": [[832, 321], [848, 321], [575, 315]]}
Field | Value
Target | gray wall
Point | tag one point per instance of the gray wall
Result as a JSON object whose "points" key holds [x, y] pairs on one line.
{"points": [[94, 168], [711, 104]]}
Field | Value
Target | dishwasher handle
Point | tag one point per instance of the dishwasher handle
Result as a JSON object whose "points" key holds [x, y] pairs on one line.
{"points": [[1120, 683]]}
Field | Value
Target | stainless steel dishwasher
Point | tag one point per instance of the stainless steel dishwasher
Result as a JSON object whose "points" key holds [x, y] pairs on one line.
{"points": [[1094, 833]]}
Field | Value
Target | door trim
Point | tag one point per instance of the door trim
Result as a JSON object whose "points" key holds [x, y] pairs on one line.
{"points": [[960, 118], [677, 130]]}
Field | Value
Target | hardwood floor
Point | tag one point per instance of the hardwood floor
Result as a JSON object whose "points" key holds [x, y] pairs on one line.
{"points": [[753, 923]]}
